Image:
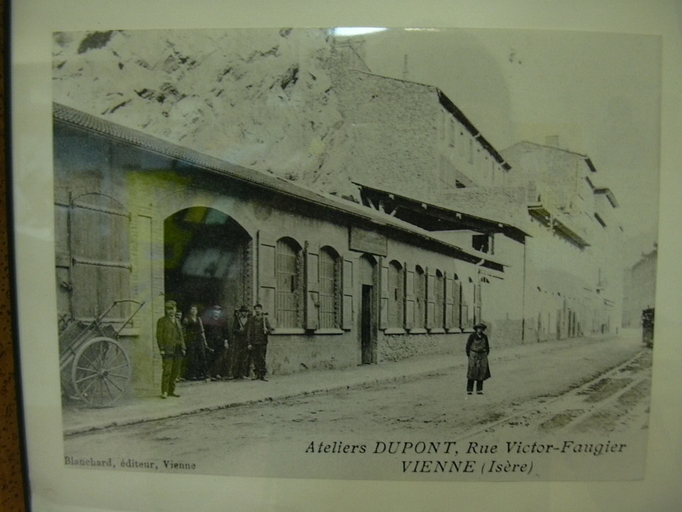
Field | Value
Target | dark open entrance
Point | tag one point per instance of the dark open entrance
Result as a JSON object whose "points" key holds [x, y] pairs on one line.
{"points": [[368, 316], [207, 260], [367, 307]]}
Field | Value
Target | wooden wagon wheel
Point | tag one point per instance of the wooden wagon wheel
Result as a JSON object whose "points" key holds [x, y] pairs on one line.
{"points": [[100, 371]]}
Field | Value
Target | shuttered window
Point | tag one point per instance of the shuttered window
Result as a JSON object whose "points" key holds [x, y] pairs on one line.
{"points": [[330, 289], [288, 296], [396, 294]]}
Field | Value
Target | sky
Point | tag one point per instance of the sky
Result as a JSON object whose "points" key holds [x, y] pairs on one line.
{"points": [[599, 93]]}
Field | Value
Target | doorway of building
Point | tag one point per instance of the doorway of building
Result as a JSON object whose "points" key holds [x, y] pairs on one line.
{"points": [[207, 260], [368, 310], [366, 327]]}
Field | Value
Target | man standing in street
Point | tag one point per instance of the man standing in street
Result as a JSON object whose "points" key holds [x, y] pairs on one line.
{"points": [[172, 347], [240, 342], [218, 357], [258, 328]]}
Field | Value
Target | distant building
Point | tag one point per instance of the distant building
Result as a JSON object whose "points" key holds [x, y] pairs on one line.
{"points": [[416, 155], [573, 268]]}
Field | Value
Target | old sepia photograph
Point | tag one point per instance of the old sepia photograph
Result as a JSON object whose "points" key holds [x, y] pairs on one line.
{"points": [[356, 253]]}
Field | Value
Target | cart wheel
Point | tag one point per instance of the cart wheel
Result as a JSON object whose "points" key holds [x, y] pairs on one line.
{"points": [[100, 372]]}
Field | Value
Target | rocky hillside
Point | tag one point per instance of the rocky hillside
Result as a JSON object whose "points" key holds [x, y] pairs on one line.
{"points": [[261, 99]]}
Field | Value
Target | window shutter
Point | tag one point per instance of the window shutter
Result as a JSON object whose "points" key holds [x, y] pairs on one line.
{"points": [[100, 270], [449, 302], [477, 302], [458, 319], [409, 298], [347, 311], [430, 298], [312, 286], [383, 315], [267, 278]]}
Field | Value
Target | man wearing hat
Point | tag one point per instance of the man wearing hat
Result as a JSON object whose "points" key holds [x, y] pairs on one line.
{"points": [[477, 350], [172, 347], [215, 328], [240, 342], [257, 330]]}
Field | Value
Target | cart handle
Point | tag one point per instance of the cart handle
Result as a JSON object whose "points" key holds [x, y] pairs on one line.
{"points": [[139, 307], [127, 321]]}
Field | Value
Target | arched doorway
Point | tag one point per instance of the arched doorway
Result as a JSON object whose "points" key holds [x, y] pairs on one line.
{"points": [[207, 260]]}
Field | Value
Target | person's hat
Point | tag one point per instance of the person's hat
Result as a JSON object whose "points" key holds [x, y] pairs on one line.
{"points": [[258, 306], [244, 309], [171, 304], [480, 326], [217, 306]]}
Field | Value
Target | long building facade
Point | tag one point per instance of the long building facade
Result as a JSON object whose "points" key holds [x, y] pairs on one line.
{"points": [[436, 231], [137, 217]]}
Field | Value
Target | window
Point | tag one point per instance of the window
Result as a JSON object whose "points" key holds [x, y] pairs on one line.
{"points": [[289, 292], [330, 289], [396, 294], [439, 315], [481, 243], [419, 297]]}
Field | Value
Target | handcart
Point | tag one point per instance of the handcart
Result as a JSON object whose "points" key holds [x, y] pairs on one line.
{"points": [[95, 368]]}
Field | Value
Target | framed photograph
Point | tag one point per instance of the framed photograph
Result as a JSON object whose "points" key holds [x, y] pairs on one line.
{"points": [[280, 261]]}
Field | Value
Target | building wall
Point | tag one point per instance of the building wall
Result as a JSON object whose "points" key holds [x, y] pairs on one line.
{"points": [[399, 129], [504, 296], [391, 125], [462, 158], [641, 289], [564, 298], [151, 188]]}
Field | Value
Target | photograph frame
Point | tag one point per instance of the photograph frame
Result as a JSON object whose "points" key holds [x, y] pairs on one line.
{"points": [[667, 324]]}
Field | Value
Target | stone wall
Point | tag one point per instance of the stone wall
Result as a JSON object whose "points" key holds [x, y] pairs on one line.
{"points": [[396, 347]]}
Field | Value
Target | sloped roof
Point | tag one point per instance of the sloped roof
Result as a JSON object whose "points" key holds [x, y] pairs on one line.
{"points": [[502, 208], [74, 117], [531, 147]]}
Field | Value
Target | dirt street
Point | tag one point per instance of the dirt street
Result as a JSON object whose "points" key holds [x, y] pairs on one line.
{"points": [[530, 394]]}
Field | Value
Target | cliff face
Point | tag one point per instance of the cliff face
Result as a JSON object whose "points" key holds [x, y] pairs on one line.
{"points": [[262, 99]]}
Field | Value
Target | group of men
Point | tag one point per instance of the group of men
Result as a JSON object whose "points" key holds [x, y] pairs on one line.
{"points": [[207, 349]]}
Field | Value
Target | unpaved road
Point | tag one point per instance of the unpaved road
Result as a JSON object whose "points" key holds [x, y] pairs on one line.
{"points": [[552, 390]]}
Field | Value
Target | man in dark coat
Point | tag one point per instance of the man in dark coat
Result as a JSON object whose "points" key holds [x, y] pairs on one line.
{"points": [[172, 347], [215, 328], [258, 328], [240, 342], [477, 350], [195, 341]]}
